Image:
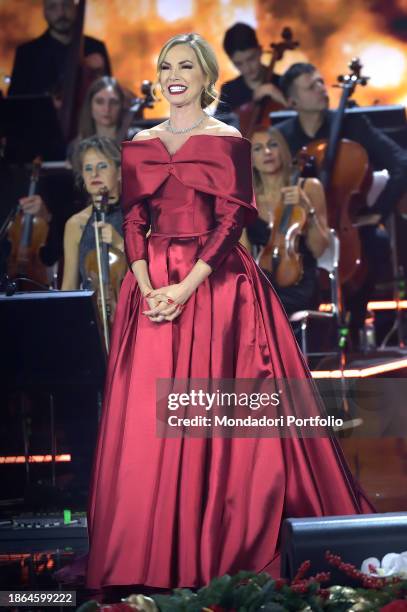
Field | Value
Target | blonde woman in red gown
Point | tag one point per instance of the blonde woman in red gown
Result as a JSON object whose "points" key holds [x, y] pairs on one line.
{"points": [[177, 512]]}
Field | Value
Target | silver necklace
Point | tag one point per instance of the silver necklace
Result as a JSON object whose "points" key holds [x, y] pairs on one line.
{"points": [[185, 130]]}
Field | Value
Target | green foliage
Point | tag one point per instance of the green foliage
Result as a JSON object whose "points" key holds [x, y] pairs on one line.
{"points": [[244, 592], [250, 592], [89, 606]]}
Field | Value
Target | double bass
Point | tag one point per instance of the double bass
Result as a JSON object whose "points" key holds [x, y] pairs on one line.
{"points": [[105, 267], [345, 173], [256, 113], [77, 76]]}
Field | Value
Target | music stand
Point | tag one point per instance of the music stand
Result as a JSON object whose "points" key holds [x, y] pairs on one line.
{"points": [[31, 127], [381, 116], [50, 340]]}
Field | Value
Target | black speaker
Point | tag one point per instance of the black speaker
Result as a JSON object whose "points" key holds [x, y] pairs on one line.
{"points": [[354, 537]]}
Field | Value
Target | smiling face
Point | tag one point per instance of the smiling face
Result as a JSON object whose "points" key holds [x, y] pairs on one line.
{"points": [[266, 155], [309, 93], [248, 63], [106, 107], [181, 76], [99, 172]]}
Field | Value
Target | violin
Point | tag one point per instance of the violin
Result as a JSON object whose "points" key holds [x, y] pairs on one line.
{"points": [[105, 267], [27, 233], [281, 255], [257, 113], [345, 173]]}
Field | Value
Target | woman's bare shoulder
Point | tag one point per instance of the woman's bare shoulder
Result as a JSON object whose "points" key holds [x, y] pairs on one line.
{"points": [[218, 128], [150, 133], [312, 185], [316, 193], [312, 180], [79, 219]]}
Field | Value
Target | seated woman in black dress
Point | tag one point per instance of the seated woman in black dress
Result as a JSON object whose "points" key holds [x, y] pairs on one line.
{"points": [[272, 167]]}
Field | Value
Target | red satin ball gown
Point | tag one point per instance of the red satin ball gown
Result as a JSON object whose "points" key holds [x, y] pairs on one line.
{"points": [[178, 512]]}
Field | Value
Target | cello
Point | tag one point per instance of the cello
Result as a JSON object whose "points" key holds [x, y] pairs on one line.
{"points": [[256, 113], [105, 267], [345, 173], [27, 233]]}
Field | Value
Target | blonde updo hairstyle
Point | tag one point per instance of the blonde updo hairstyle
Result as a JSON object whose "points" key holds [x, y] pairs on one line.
{"points": [[206, 59]]}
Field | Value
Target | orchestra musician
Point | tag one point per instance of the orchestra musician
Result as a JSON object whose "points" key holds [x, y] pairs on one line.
{"points": [[44, 205], [35, 205], [306, 92], [272, 167], [40, 64], [244, 51], [25, 225], [97, 166], [104, 112]]}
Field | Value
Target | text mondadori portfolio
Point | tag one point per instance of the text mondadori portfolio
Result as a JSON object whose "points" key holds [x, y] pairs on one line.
{"points": [[251, 421]]}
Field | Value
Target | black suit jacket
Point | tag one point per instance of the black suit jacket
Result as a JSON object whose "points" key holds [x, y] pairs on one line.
{"points": [[39, 65], [382, 151], [235, 93]]}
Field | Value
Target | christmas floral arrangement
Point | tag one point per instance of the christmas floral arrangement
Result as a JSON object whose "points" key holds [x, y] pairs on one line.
{"points": [[383, 587], [392, 564]]}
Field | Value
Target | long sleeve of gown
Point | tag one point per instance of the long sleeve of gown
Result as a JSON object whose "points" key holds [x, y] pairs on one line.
{"points": [[230, 220], [136, 217], [135, 226]]}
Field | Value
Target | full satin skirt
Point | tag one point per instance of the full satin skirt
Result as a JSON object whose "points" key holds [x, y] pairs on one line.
{"points": [[180, 511]]}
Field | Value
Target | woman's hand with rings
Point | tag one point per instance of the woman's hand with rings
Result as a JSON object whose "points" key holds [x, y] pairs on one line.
{"points": [[153, 303], [171, 300]]}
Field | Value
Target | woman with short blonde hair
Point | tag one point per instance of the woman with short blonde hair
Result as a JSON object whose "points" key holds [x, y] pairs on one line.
{"points": [[96, 165]]}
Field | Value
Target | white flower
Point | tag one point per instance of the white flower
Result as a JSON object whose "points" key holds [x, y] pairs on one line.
{"points": [[392, 564]]}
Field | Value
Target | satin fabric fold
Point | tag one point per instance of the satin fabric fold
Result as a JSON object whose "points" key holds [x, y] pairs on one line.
{"points": [[225, 170], [179, 511]]}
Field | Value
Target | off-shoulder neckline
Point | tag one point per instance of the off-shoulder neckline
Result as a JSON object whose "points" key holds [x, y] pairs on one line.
{"points": [[155, 138]]}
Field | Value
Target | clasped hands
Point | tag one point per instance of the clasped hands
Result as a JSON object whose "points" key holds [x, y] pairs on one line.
{"points": [[166, 303]]}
